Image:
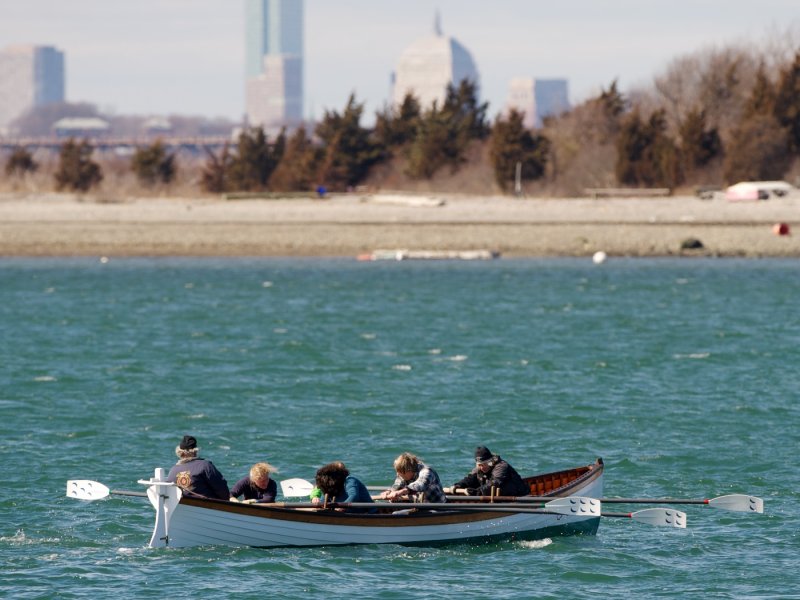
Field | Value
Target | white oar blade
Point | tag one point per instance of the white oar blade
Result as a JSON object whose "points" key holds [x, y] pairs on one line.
{"points": [[739, 503], [85, 489], [578, 506], [661, 517], [295, 488]]}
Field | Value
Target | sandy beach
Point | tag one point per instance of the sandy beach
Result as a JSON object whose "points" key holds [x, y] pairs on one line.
{"points": [[350, 225]]}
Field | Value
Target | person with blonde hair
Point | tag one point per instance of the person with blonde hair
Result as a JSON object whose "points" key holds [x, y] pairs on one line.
{"points": [[257, 486], [416, 482]]}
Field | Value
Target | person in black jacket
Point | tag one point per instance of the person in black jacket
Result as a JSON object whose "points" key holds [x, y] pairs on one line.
{"points": [[256, 487], [491, 471], [197, 475]]}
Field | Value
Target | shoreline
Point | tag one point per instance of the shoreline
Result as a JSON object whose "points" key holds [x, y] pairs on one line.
{"points": [[42, 225]]}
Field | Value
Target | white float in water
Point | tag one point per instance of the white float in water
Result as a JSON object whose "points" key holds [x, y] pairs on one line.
{"points": [[599, 257]]}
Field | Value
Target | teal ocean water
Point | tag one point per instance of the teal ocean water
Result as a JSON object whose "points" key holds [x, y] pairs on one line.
{"points": [[682, 374]]}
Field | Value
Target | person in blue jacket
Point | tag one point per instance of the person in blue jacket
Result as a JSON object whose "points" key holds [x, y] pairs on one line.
{"points": [[334, 480], [256, 487], [197, 475]]}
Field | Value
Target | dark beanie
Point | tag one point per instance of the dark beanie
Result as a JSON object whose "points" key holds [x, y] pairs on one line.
{"points": [[188, 442], [482, 454]]}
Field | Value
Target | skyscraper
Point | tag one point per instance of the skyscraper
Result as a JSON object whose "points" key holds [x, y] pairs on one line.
{"points": [[274, 62], [537, 98], [29, 76], [429, 65]]}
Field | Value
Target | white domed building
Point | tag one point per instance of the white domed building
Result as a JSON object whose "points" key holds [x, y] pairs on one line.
{"points": [[429, 65]]}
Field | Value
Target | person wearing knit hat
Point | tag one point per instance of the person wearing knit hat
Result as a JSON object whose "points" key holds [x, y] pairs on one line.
{"points": [[194, 475], [482, 455], [491, 474]]}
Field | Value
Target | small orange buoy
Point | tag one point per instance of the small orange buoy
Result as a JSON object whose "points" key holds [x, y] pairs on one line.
{"points": [[781, 229]]}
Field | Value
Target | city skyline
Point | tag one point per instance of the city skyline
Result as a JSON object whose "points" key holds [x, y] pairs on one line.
{"points": [[188, 56]]}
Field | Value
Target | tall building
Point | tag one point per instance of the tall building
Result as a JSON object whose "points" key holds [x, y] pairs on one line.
{"points": [[537, 98], [30, 76], [274, 63], [429, 65]]}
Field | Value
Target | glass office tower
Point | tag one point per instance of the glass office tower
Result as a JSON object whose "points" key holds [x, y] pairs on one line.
{"points": [[30, 76], [274, 61]]}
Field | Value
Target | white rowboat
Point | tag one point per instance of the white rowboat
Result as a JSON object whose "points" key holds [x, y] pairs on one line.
{"points": [[183, 520]]}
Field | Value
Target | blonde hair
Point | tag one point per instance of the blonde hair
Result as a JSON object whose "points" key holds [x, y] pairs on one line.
{"points": [[406, 462], [262, 469]]}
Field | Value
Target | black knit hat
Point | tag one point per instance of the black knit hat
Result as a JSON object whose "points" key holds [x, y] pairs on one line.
{"points": [[482, 454], [188, 443]]}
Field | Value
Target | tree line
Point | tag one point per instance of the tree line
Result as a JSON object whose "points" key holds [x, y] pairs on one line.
{"points": [[718, 116]]}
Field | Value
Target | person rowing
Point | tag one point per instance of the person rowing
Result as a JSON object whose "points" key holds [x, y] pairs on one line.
{"points": [[197, 475], [491, 474], [416, 482], [334, 480], [256, 487]]}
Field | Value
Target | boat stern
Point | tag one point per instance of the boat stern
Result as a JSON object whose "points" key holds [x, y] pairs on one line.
{"points": [[165, 497]]}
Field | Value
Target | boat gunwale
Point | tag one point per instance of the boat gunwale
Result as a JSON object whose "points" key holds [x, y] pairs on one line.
{"points": [[591, 472], [448, 514]]}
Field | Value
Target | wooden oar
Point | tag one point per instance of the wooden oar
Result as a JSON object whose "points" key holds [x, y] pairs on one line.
{"points": [[734, 502], [85, 489]]}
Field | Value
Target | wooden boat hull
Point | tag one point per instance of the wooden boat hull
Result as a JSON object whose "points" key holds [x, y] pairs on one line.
{"points": [[189, 521]]}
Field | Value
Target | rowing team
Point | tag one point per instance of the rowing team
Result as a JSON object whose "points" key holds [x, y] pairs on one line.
{"points": [[415, 482]]}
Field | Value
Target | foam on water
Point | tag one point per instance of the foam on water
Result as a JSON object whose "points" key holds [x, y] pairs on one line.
{"points": [[535, 544]]}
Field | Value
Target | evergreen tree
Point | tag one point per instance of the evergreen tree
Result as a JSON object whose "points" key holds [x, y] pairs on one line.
{"points": [[757, 151], [153, 164], [612, 101], [215, 173], [597, 121], [769, 130], [396, 126], [787, 103], [20, 162], [443, 135], [436, 144], [461, 108], [298, 166], [663, 154], [762, 97], [255, 160], [631, 147], [699, 145], [512, 143], [76, 169], [645, 154], [348, 150]]}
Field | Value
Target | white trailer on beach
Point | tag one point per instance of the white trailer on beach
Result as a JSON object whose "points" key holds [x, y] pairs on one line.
{"points": [[757, 190]]}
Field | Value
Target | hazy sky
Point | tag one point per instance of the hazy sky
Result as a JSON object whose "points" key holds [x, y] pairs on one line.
{"points": [[187, 56]]}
